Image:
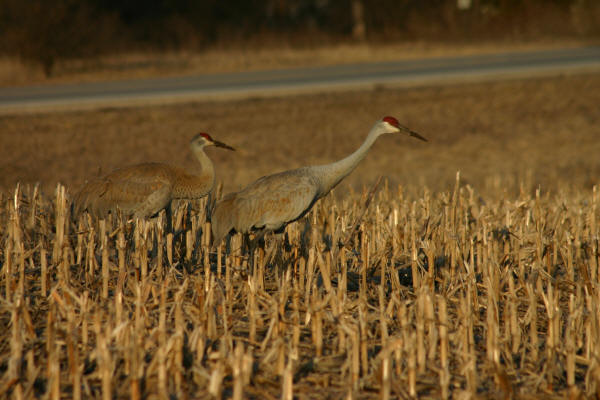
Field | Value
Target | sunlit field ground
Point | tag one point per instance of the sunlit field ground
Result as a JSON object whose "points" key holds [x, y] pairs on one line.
{"points": [[429, 284]]}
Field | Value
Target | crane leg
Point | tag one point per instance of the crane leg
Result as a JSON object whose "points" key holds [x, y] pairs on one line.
{"points": [[257, 241], [249, 246], [169, 216]]}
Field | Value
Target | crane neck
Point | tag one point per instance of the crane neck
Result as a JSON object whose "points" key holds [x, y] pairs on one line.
{"points": [[332, 174], [192, 186], [206, 165]]}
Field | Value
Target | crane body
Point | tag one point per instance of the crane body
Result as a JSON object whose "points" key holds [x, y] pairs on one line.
{"points": [[144, 189], [273, 201]]}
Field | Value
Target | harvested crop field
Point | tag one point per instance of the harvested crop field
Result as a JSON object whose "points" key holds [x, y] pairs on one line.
{"points": [[428, 285], [445, 295]]}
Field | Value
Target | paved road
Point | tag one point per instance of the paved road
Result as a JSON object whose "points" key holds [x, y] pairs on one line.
{"points": [[277, 82]]}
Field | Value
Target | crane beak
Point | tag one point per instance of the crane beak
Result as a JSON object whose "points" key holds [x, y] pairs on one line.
{"points": [[411, 133], [223, 145]]}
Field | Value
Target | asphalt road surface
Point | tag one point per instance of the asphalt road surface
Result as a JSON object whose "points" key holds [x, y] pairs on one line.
{"points": [[280, 82]]}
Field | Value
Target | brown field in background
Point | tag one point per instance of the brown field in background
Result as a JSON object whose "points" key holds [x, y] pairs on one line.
{"points": [[541, 132]]}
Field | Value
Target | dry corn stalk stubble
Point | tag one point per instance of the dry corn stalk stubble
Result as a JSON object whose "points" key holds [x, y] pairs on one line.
{"points": [[504, 301]]}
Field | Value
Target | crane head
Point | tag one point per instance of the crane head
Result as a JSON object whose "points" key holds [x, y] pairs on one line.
{"points": [[397, 127], [204, 139]]}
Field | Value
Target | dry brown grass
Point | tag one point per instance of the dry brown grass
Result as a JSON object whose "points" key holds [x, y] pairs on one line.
{"points": [[478, 287], [450, 294]]}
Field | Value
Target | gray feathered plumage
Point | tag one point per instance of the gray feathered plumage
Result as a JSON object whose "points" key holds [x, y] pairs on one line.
{"points": [[144, 189], [273, 201]]}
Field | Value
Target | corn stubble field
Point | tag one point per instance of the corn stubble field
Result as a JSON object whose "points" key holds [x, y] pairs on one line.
{"points": [[453, 287], [446, 295]]}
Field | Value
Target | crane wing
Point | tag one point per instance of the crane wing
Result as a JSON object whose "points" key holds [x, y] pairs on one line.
{"points": [[139, 189], [274, 201]]}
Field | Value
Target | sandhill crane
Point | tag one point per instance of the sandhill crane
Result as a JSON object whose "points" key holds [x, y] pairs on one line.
{"points": [[273, 201], [145, 189]]}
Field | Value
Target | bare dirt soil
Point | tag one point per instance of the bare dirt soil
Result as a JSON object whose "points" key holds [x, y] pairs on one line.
{"points": [[541, 132]]}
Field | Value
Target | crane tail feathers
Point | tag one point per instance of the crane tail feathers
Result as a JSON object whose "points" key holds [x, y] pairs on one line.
{"points": [[88, 197], [222, 219]]}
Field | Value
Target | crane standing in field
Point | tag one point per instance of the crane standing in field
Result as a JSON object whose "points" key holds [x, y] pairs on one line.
{"points": [[145, 189], [273, 201]]}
